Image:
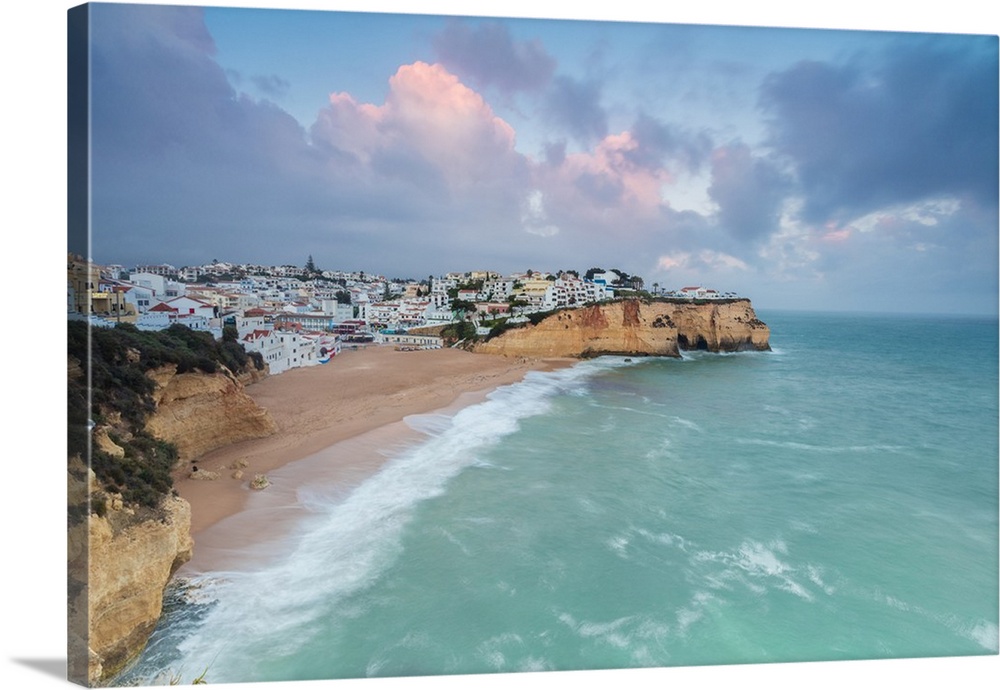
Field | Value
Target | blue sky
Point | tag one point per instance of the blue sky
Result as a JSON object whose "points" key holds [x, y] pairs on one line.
{"points": [[805, 168]]}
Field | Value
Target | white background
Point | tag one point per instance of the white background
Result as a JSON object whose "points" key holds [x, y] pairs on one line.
{"points": [[32, 363]]}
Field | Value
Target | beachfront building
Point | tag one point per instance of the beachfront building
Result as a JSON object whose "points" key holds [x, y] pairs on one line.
{"points": [[423, 342], [379, 315], [412, 313], [319, 348], [266, 342], [298, 350], [312, 321], [289, 349]]}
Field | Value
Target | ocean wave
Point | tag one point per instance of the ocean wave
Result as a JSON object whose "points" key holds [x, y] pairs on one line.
{"points": [[813, 448], [986, 634], [344, 547], [758, 566], [702, 355], [982, 632], [610, 633]]}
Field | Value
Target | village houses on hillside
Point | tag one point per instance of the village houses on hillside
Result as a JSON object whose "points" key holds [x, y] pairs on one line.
{"points": [[297, 316]]}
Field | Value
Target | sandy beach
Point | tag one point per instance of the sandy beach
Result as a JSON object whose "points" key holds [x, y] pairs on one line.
{"points": [[356, 394]]}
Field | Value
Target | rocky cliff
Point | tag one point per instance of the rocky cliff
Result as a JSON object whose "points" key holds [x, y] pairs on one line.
{"points": [[635, 327], [122, 554], [130, 558], [201, 412]]}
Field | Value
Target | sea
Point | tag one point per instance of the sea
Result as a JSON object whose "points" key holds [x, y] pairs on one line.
{"points": [[835, 498]]}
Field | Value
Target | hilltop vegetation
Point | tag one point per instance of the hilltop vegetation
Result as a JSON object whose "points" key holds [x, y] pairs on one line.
{"points": [[121, 397]]}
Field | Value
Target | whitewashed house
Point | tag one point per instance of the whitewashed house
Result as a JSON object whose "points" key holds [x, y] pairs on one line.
{"points": [[141, 298], [266, 342], [192, 306], [151, 281]]}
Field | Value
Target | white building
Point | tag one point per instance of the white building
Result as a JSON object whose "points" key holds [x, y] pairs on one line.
{"points": [[141, 298], [698, 292], [152, 281], [284, 350], [187, 306], [159, 320], [268, 344]]}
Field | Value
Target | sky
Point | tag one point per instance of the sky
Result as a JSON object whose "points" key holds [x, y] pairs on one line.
{"points": [[851, 170]]}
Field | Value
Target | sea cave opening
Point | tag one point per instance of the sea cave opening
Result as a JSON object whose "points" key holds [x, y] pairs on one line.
{"points": [[685, 344]]}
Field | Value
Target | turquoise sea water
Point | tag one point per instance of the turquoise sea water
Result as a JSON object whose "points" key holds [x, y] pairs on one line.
{"points": [[833, 499]]}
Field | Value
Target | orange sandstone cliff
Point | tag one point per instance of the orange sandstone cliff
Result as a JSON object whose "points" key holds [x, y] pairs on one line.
{"points": [[201, 412], [120, 556], [636, 327]]}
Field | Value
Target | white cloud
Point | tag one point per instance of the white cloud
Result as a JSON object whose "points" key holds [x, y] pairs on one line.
{"points": [[534, 219], [929, 212], [706, 259]]}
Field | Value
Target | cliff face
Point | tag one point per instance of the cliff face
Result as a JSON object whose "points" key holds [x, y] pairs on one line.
{"points": [[201, 412], [118, 565], [130, 562], [632, 327], [720, 327], [122, 556]]}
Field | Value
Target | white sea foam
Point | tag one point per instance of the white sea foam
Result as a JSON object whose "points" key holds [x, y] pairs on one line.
{"points": [[986, 634], [756, 566], [619, 544], [686, 423], [431, 424], [345, 546], [533, 665], [798, 445]]}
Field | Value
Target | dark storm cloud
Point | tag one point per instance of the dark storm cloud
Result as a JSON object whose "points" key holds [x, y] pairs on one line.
{"points": [[601, 189], [271, 85], [919, 121], [660, 143], [181, 164], [154, 81], [576, 106], [749, 191], [555, 153], [489, 56], [185, 168]]}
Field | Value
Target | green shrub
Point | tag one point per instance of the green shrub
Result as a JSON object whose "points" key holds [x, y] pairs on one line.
{"points": [[117, 360]]}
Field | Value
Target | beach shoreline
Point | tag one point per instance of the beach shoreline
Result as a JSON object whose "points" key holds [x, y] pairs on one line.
{"points": [[359, 396]]}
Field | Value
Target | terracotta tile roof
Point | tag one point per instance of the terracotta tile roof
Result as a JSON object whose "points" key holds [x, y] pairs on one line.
{"points": [[163, 306]]}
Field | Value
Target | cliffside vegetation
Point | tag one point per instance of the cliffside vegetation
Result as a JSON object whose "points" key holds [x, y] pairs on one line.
{"points": [[126, 459]]}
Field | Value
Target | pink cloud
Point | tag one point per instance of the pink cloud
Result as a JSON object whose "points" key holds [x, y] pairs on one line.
{"points": [[836, 235], [607, 180], [427, 113], [706, 259]]}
